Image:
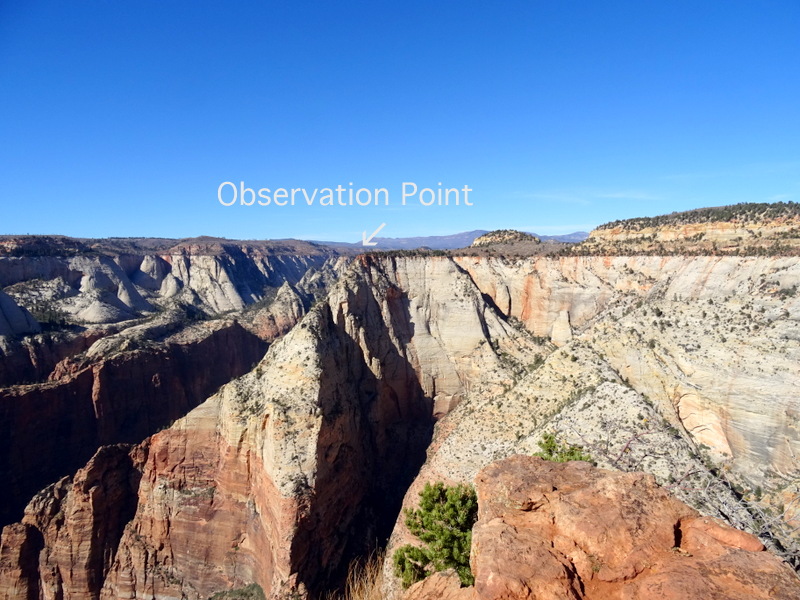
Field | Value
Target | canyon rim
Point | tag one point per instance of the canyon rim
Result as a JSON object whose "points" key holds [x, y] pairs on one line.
{"points": [[184, 418]]}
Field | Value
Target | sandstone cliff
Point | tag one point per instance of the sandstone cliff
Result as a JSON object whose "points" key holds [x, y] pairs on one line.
{"points": [[124, 388], [613, 391], [742, 229], [568, 530], [301, 464], [108, 283]]}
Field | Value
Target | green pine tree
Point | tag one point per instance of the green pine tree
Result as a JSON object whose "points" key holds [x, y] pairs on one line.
{"points": [[443, 522]]}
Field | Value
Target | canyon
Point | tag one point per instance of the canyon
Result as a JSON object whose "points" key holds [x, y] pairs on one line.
{"points": [[224, 414]]}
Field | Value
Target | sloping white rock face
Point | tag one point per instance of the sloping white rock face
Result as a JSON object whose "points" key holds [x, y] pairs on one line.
{"points": [[713, 340], [13, 319], [102, 289]]}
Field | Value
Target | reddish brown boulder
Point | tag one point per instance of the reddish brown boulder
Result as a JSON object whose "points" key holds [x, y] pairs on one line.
{"points": [[568, 530], [444, 586]]}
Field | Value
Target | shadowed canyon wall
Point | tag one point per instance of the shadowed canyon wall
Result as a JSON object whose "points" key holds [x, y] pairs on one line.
{"points": [[290, 470]]}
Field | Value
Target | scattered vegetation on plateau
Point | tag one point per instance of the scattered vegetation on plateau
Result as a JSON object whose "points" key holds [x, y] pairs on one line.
{"points": [[558, 451], [504, 236], [745, 212], [48, 315], [443, 522]]}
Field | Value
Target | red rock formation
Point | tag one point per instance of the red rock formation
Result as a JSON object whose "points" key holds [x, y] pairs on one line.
{"points": [[69, 535], [209, 518], [33, 358], [277, 479], [55, 427], [568, 530], [19, 562], [444, 586]]}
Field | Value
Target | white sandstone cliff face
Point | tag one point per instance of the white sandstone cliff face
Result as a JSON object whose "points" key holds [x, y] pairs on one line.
{"points": [[674, 362], [104, 289], [13, 319], [714, 341]]}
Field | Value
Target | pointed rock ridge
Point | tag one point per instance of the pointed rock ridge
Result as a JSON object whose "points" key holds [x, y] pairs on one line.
{"points": [[569, 530], [309, 454], [279, 316], [15, 320]]}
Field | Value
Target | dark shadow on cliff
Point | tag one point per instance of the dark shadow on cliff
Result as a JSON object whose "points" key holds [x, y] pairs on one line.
{"points": [[51, 430], [372, 443]]}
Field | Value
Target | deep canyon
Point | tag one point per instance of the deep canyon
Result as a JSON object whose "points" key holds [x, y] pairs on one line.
{"points": [[186, 418]]}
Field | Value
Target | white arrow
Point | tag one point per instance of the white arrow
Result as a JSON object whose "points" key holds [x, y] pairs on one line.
{"points": [[367, 241]]}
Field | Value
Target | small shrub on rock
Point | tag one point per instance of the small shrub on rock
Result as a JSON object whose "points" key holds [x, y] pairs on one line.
{"points": [[557, 451], [443, 522]]}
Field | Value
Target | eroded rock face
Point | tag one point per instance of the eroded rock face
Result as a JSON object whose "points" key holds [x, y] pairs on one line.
{"points": [[15, 320], [32, 358], [713, 340], [115, 284], [568, 530], [122, 394], [19, 562], [297, 466], [68, 538]]}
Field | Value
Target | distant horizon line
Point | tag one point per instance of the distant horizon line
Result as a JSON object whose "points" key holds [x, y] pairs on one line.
{"points": [[317, 240]]}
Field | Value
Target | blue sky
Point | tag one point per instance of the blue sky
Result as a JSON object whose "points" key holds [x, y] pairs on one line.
{"points": [[123, 119]]}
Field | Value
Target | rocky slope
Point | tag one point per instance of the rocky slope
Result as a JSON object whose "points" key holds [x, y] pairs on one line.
{"points": [[14, 320], [567, 530], [633, 402], [652, 363]]}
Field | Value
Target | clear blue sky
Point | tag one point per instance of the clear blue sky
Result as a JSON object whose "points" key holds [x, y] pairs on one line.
{"points": [[123, 118]]}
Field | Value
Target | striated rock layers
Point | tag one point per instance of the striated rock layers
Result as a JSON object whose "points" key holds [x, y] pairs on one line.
{"points": [[66, 542], [553, 531], [33, 358], [289, 471], [126, 388]]}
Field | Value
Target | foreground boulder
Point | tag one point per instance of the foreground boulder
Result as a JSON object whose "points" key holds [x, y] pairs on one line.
{"points": [[571, 531]]}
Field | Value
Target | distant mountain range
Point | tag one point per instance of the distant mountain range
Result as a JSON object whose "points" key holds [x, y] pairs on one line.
{"points": [[448, 242]]}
